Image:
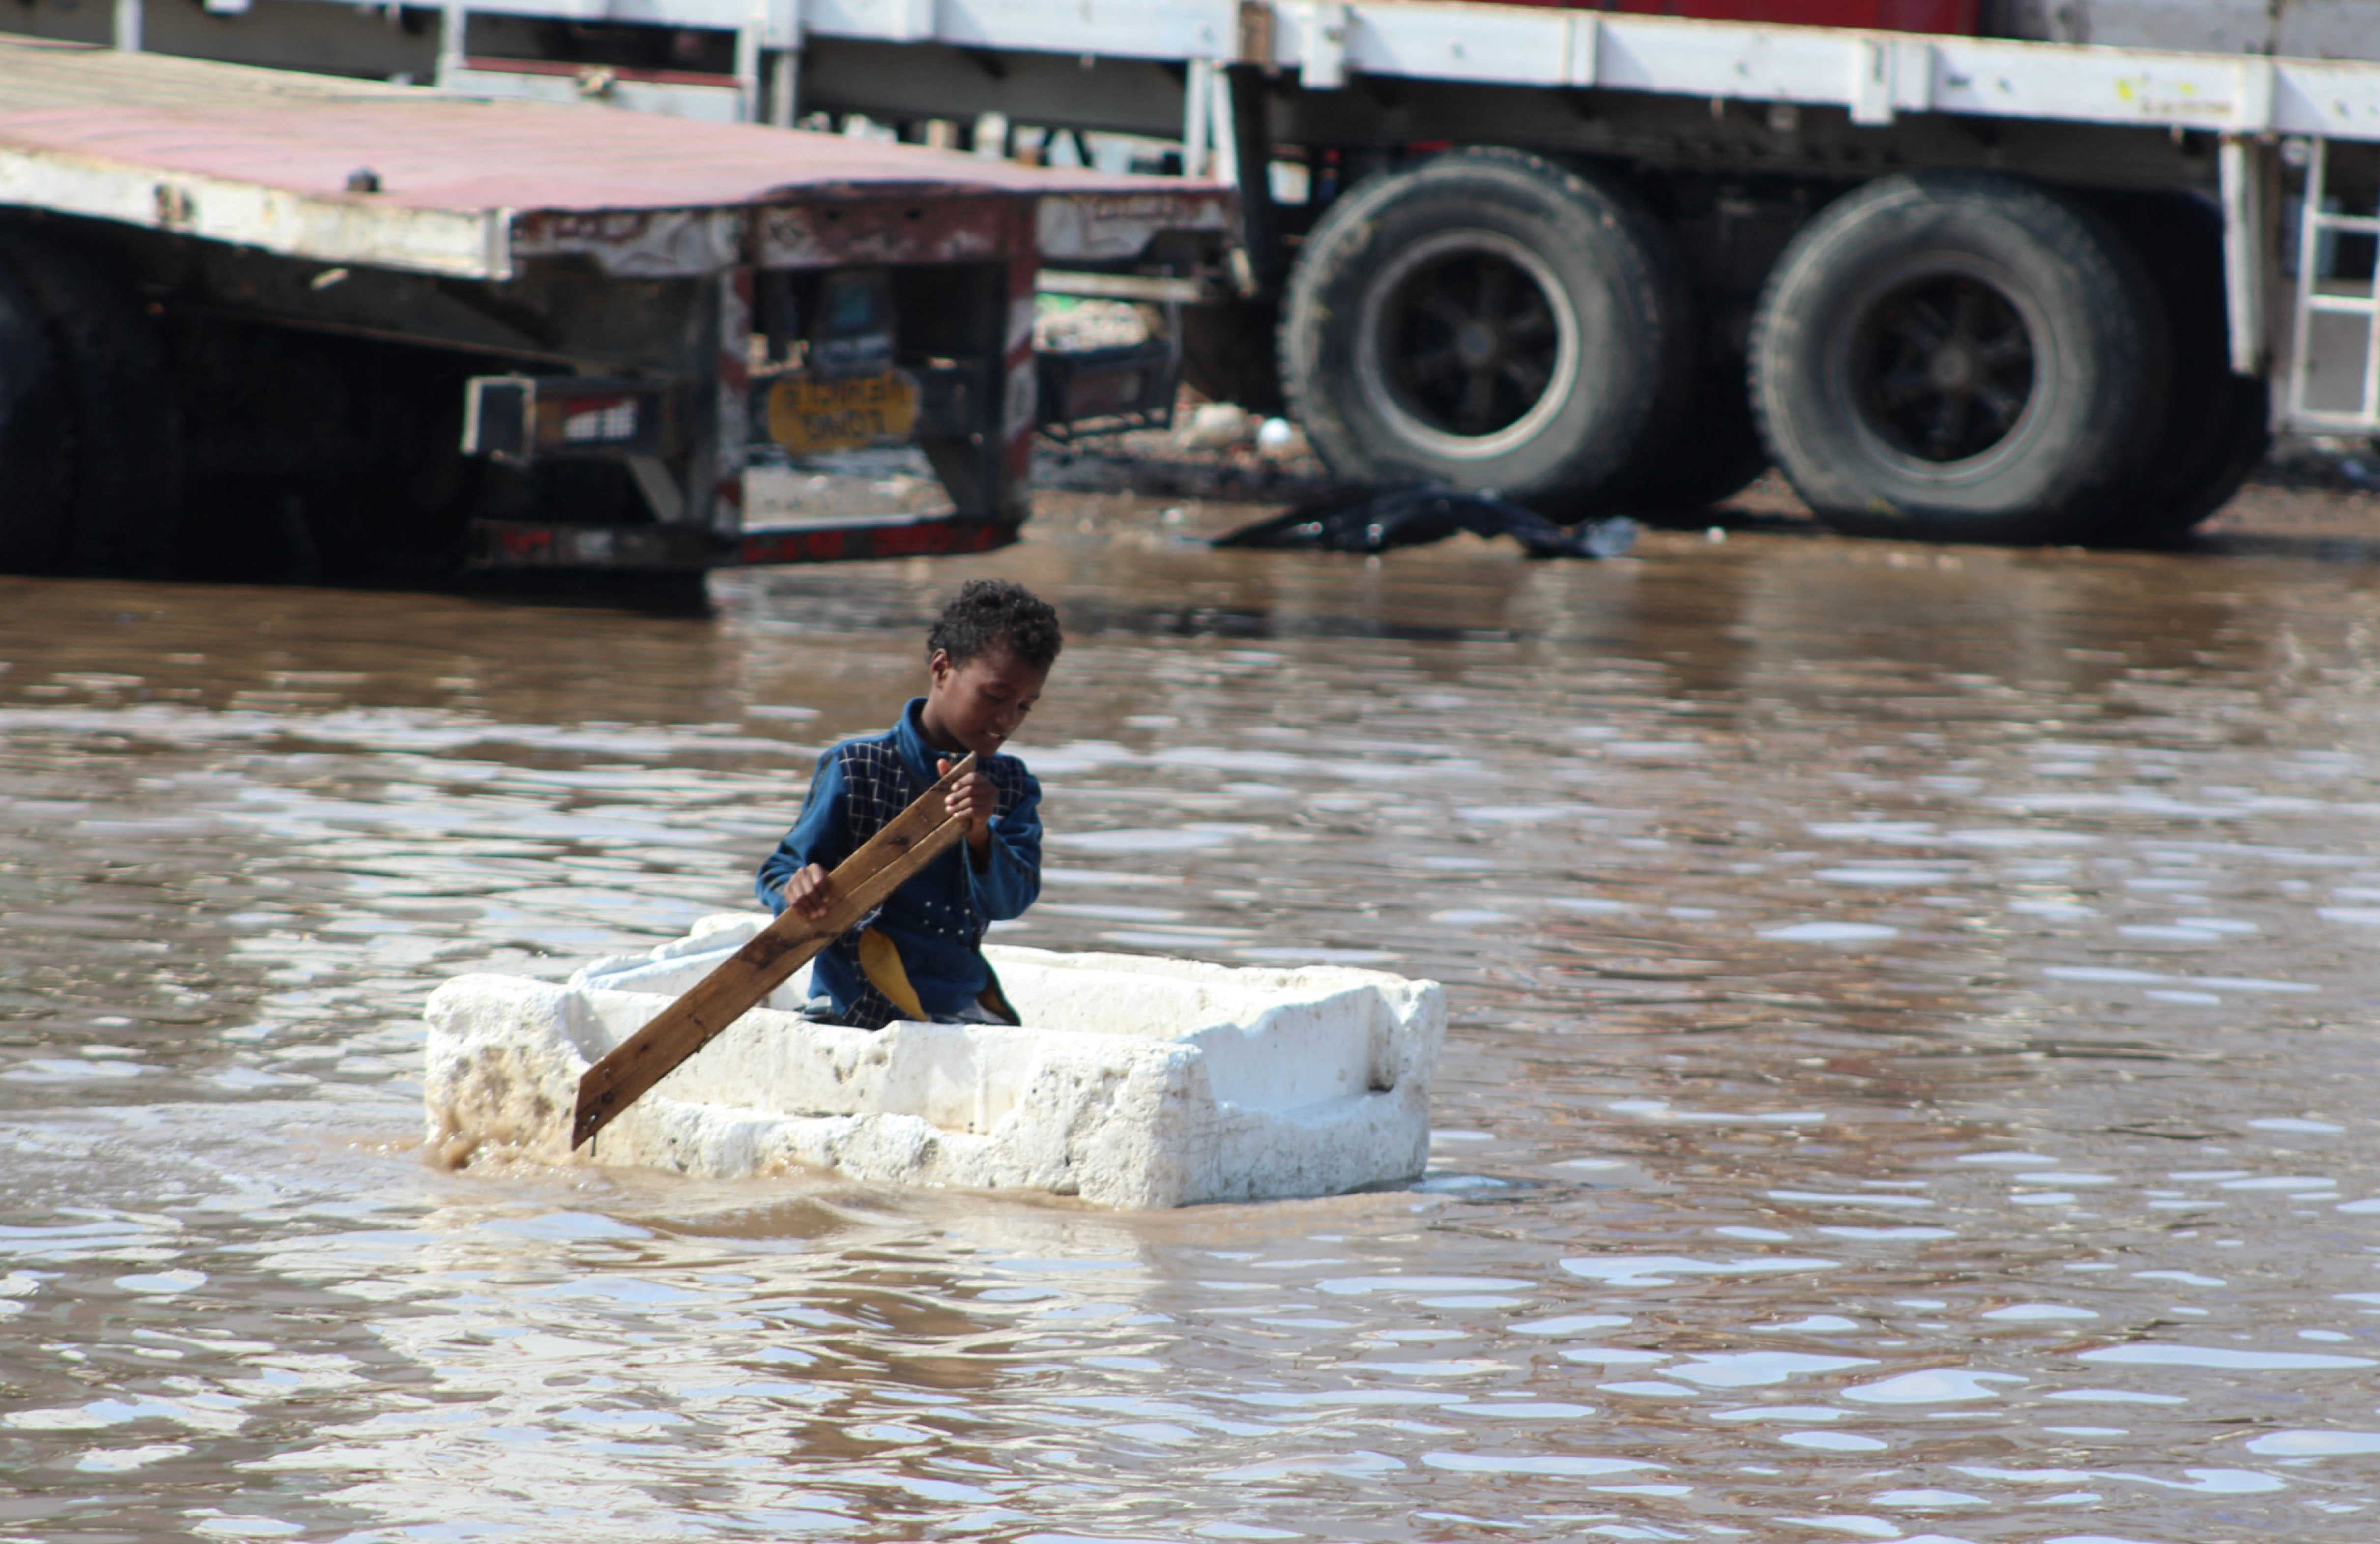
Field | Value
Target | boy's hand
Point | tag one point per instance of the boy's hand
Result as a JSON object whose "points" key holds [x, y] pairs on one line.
{"points": [[808, 893], [972, 799]]}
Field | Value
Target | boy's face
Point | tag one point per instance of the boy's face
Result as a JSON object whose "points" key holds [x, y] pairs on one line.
{"points": [[977, 705]]}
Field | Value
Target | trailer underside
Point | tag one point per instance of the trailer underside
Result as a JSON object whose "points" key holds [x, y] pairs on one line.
{"points": [[341, 276]]}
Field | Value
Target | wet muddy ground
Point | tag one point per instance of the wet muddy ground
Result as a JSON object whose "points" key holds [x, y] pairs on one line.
{"points": [[1913, 1071]]}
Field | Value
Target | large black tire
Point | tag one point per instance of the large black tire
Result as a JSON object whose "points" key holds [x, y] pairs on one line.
{"points": [[2217, 426], [36, 487], [1490, 321], [121, 444], [323, 458], [405, 409], [1958, 355]]}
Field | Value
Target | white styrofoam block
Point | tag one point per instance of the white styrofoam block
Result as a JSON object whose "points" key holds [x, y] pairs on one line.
{"points": [[1135, 1082]]}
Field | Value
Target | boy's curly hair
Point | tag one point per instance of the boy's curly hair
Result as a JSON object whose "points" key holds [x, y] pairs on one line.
{"points": [[995, 614]]}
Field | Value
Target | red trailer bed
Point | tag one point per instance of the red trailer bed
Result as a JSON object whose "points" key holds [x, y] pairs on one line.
{"points": [[353, 171]]}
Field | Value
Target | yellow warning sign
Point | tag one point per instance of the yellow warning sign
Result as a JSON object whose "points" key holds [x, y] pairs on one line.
{"points": [[807, 414]]}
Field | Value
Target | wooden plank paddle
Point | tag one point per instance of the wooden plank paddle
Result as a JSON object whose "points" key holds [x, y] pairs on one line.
{"points": [[860, 883]]}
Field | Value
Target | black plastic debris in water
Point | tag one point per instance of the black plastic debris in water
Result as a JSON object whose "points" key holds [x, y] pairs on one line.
{"points": [[1407, 515]]}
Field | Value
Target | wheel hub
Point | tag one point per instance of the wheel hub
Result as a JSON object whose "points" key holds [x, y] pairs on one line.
{"points": [[1469, 340], [1942, 368], [1477, 344], [1951, 370]]}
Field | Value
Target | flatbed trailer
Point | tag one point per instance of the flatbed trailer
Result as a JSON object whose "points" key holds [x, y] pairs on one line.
{"points": [[1994, 287], [413, 330]]}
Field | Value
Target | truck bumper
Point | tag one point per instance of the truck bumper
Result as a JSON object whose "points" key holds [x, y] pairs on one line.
{"points": [[525, 544]]}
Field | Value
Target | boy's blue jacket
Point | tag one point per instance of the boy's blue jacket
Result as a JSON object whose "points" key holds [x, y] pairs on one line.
{"points": [[937, 920]]}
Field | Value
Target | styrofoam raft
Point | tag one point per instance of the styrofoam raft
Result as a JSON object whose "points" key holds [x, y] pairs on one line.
{"points": [[1135, 1082]]}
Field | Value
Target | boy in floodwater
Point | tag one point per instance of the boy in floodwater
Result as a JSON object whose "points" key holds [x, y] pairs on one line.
{"points": [[919, 956]]}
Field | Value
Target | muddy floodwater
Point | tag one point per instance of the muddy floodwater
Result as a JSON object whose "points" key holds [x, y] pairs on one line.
{"points": [[1913, 1072]]}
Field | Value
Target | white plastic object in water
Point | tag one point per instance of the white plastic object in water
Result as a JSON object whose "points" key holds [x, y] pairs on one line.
{"points": [[1135, 1082]]}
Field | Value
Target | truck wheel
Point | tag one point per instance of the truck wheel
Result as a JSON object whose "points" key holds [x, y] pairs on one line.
{"points": [[410, 525], [122, 444], [2216, 425], [1490, 321], [1958, 356], [35, 489]]}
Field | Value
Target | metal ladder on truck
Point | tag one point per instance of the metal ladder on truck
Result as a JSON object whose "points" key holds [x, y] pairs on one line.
{"points": [[2344, 398]]}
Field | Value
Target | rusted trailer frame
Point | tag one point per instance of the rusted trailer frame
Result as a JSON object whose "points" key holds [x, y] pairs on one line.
{"points": [[660, 297]]}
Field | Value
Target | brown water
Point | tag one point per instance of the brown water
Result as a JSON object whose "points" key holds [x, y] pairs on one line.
{"points": [[1911, 1074]]}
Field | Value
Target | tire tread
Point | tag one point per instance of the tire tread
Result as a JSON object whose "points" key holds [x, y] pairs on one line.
{"points": [[2111, 303], [1649, 279]]}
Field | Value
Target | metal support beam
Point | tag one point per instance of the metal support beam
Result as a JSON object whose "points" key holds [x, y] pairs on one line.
{"points": [[1197, 117], [2250, 253], [747, 66], [453, 21], [1323, 62], [775, 29], [661, 493], [2308, 277], [784, 86], [1252, 142]]}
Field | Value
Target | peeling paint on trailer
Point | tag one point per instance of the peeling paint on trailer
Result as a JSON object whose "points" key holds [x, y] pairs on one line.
{"points": [[358, 173], [839, 227], [635, 243], [939, 226], [1109, 227]]}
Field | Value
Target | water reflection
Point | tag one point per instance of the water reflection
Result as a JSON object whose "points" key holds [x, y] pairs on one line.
{"points": [[1907, 1083]]}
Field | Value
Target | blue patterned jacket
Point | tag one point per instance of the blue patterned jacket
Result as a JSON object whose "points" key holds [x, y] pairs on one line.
{"points": [[936, 920]]}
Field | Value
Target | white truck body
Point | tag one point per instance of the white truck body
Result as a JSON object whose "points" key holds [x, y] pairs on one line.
{"points": [[2287, 148]]}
